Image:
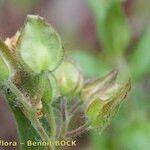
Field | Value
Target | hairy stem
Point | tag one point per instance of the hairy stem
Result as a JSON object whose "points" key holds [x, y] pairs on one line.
{"points": [[39, 128], [74, 107], [29, 111], [78, 131], [65, 118], [20, 97], [52, 122], [8, 57]]}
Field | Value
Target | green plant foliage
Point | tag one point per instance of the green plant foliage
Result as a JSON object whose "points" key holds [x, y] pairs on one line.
{"points": [[111, 25], [25, 129], [39, 45], [69, 78], [26, 2], [91, 65], [8, 58], [140, 59], [136, 136], [50, 88], [4, 72], [45, 92], [103, 103], [125, 133]]}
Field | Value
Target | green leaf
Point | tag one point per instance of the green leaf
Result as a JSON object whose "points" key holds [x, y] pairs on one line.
{"points": [[140, 59], [39, 45], [26, 3], [25, 129], [136, 135], [111, 25]]}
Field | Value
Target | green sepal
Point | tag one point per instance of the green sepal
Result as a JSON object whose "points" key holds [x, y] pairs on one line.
{"points": [[105, 104], [39, 45]]}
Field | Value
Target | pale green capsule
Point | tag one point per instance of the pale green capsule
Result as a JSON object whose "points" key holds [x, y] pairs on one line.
{"points": [[69, 78]]}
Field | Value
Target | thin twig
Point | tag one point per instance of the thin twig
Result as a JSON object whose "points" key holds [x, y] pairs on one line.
{"points": [[74, 107], [64, 113], [78, 131], [52, 122]]}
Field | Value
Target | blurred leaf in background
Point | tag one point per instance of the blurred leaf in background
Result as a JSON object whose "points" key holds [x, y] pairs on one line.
{"points": [[26, 2], [111, 25], [137, 136], [128, 130], [1, 2], [91, 65], [140, 59]]}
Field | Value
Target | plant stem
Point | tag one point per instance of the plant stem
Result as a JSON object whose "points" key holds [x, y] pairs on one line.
{"points": [[20, 97], [39, 128], [52, 122], [8, 57], [74, 107], [78, 131], [74, 112], [65, 118], [29, 111]]}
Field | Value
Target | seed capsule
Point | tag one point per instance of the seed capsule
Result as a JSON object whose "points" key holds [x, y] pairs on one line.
{"points": [[103, 99], [69, 78]]}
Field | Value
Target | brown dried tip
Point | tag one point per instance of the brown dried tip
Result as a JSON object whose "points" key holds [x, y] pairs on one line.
{"points": [[94, 86], [11, 42]]}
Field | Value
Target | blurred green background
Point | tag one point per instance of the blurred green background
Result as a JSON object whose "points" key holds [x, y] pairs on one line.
{"points": [[100, 35]]}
